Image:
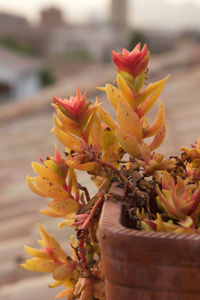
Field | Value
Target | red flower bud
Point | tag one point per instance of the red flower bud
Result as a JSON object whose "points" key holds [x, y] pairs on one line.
{"points": [[134, 62]]}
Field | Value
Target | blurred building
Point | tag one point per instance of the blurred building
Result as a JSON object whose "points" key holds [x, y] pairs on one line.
{"points": [[55, 37], [19, 75], [92, 41], [118, 14], [119, 23], [10, 23], [96, 38], [51, 18]]}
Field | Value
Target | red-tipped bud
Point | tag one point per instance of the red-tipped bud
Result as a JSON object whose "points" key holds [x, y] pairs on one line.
{"points": [[134, 62], [74, 105]]}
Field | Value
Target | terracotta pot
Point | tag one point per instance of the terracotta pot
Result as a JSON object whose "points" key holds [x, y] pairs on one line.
{"points": [[141, 265]]}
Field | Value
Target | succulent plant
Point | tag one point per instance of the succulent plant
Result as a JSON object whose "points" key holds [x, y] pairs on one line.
{"points": [[158, 193]]}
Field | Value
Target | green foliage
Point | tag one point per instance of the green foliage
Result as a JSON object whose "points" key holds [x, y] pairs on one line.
{"points": [[47, 77], [136, 36], [20, 47]]}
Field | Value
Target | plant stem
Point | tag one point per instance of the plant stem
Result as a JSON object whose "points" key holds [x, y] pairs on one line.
{"points": [[93, 211], [106, 164]]}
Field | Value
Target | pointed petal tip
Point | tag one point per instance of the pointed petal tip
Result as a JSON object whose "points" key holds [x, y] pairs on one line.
{"points": [[167, 77], [53, 129], [22, 266], [101, 88], [40, 226]]}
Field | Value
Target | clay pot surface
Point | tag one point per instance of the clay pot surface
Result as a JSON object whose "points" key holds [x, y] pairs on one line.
{"points": [[141, 265]]}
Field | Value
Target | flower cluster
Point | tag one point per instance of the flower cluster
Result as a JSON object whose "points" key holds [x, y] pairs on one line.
{"points": [[160, 194]]}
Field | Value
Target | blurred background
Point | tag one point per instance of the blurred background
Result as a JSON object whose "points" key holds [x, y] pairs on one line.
{"points": [[49, 48]]}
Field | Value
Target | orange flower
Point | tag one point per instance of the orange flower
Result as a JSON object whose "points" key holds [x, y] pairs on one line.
{"points": [[134, 62]]}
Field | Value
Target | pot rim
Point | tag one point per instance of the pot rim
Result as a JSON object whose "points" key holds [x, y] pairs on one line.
{"points": [[110, 224]]}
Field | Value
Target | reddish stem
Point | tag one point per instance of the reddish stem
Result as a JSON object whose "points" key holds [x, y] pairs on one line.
{"points": [[92, 213], [82, 252]]}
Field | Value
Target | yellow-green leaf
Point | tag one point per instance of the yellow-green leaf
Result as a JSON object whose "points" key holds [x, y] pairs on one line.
{"points": [[126, 91], [107, 119], [51, 244], [47, 173], [89, 125], [159, 137], [53, 166], [68, 140], [129, 121], [62, 272], [29, 181], [96, 133], [111, 154], [128, 142], [69, 125], [50, 213], [58, 123], [148, 103], [67, 222], [114, 95], [49, 188], [107, 138], [63, 206], [151, 130], [39, 265], [139, 81], [147, 92], [55, 284], [40, 253], [69, 293]]}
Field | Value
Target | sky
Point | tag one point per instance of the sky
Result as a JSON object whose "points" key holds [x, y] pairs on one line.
{"points": [[75, 10]]}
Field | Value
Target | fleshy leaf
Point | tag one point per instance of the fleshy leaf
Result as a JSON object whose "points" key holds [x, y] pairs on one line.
{"points": [[129, 121], [40, 253], [151, 130], [50, 188], [148, 103], [52, 246], [143, 95], [67, 222], [128, 142], [62, 272], [107, 119], [29, 181], [53, 166], [69, 141], [107, 138], [63, 206], [47, 173], [39, 265], [96, 135], [114, 95], [159, 137], [69, 293], [50, 213], [111, 154], [126, 91], [68, 124]]}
